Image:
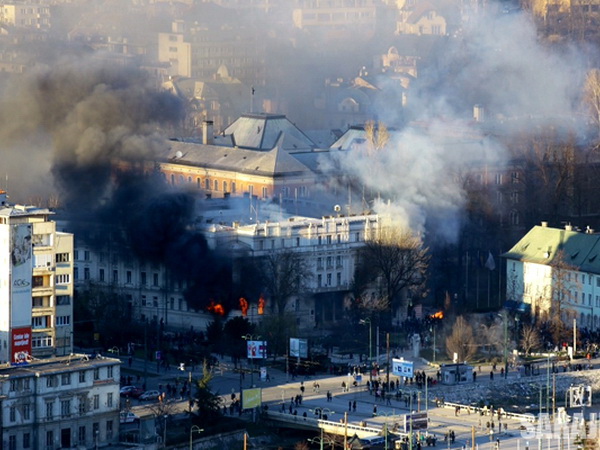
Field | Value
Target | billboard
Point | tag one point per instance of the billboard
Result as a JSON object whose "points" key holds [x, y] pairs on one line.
{"points": [[251, 398], [402, 368], [298, 348], [21, 266], [20, 345], [256, 349]]}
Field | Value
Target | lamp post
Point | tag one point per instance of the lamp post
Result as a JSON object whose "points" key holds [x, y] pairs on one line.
{"points": [[194, 429], [505, 344], [363, 322], [433, 329], [320, 411], [165, 432], [385, 425]]}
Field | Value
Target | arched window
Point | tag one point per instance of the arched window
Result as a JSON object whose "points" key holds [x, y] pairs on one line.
{"points": [[207, 184], [216, 185], [173, 180], [199, 183], [233, 187], [224, 186]]}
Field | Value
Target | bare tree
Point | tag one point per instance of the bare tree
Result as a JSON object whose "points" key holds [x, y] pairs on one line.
{"points": [[396, 261], [284, 273], [491, 336], [461, 341], [560, 296], [591, 96], [530, 338]]}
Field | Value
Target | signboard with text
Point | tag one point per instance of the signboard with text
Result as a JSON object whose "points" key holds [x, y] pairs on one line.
{"points": [[256, 349], [402, 368], [251, 398], [298, 348], [20, 345], [21, 266]]}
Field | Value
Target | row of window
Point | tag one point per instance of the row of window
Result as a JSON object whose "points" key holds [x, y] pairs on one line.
{"points": [[46, 321], [328, 279], [328, 240], [46, 301], [329, 263], [65, 437]]}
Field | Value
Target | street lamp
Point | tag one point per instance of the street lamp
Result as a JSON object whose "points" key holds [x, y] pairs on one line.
{"points": [[165, 432], [363, 322], [320, 411], [505, 344], [385, 425], [194, 429]]}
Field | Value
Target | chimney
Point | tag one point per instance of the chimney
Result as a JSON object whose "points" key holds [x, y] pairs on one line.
{"points": [[569, 227], [207, 132], [544, 224], [478, 113]]}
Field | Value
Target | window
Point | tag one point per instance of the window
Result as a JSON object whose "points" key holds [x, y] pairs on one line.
{"points": [[207, 184], [12, 442], [86, 255], [41, 341], [26, 411], [76, 273], [96, 430], [216, 185], [26, 440], [338, 261], [233, 187], [49, 410], [15, 385], [101, 275], [37, 281], [328, 279], [81, 406], [155, 301], [51, 381], [319, 240], [155, 279], [82, 376], [63, 300], [96, 374], [264, 192], [81, 436], [65, 379], [61, 321], [329, 266], [224, 186], [96, 401], [297, 242], [339, 278], [65, 408], [49, 439], [319, 280], [143, 278], [328, 240], [144, 300], [498, 178], [128, 277], [109, 400], [12, 413], [40, 322], [63, 278], [109, 429], [62, 257], [86, 273], [26, 384], [109, 372], [115, 276]]}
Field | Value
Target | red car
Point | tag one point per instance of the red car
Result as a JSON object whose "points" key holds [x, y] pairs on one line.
{"points": [[131, 391]]}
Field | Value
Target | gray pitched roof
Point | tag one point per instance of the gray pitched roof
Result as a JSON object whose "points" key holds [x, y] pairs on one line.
{"points": [[542, 244], [273, 162], [261, 131]]}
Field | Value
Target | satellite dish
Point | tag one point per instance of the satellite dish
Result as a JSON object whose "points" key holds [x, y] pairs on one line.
{"points": [[337, 208], [178, 154]]}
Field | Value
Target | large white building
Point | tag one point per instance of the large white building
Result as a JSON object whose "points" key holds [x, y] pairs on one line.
{"points": [[557, 265], [36, 286], [329, 246], [63, 402], [25, 15]]}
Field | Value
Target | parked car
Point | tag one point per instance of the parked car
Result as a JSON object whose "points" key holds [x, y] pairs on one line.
{"points": [[131, 391], [128, 417], [150, 395]]}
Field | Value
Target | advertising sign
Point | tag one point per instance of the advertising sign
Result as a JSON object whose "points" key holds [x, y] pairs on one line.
{"points": [[419, 421], [21, 263], [256, 349], [20, 345], [298, 348], [402, 368], [251, 398]]}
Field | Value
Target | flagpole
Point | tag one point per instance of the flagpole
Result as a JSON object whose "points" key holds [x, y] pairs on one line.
{"points": [[499, 278]]}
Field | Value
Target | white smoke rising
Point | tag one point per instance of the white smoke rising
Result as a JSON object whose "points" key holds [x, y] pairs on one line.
{"points": [[496, 61]]}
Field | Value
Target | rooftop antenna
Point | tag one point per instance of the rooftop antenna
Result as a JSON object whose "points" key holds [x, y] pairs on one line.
{"points": [[252, 90]]}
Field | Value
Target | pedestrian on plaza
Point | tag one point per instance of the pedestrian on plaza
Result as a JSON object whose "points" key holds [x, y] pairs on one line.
{"points": [[350, 406], [374, 410], [354, 406], [491, 375], [343, 386]]}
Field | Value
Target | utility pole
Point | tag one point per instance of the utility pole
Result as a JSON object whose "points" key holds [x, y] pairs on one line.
{"points": [[345, 430], [387, 375]]}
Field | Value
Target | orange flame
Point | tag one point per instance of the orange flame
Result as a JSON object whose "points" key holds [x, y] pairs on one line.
{"points": [[216, 308], [244, 306], [437, 315], [261, 305]]}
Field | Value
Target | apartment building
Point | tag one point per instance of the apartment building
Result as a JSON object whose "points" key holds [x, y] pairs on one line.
{"points": [[25, 15], [332, 14], [36, 291], [60, 402], [557, 268], [198, 51]]}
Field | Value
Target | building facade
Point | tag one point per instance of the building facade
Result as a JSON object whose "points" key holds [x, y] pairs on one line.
{"points": [[557, 271], [36, 291], [61, 402], [25, 15]]}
